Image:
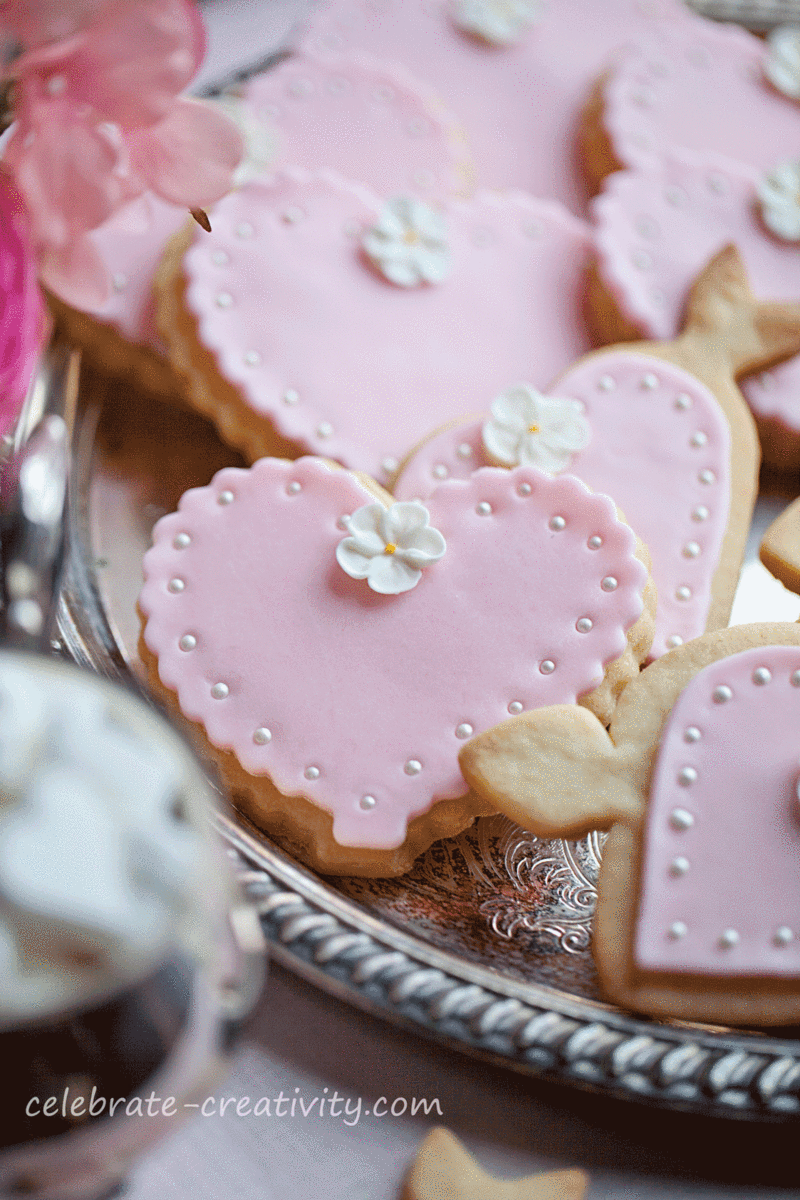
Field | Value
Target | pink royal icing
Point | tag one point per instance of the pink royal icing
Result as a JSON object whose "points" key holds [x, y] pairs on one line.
{"points": [[361, 701], [656, 228], [22, 314], [350, 365], [720, 885], [517, 102], [660, 445], [699, 87]]}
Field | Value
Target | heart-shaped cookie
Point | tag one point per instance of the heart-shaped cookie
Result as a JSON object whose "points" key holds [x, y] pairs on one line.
{"points": [[269, 610], [291, 326]]}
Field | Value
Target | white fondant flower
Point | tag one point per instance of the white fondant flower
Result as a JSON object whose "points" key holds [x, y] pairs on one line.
{"points": [[499, 22], [390, 546], [779, 196], [408, 243], [534, 430], [782, 60]]}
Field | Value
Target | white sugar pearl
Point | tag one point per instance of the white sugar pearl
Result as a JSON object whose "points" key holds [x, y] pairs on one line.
{"points": [[678, 930], [682, 402], [547, 666], [367, 802], [718, 184], [413, 767], [440, 471], [795, 679], [252, 358], [532, 229], [188, 642], [220, 691], [681, 819], [687, 776], [311, 773], [389, 465], [220, 258], [56, 85], [292, 214], [176, 585], [642, 260], [483, 509], [417, 127], [606, 383], [225, 497], [324, 429], [464, 450], [384, 93], [464, 730], [691, 550], [343, 521], [683, 592], [300, 88], [609, 584], [674, 640], [722, 694], [515, 707], [692, 734], [294, 487], [119, 281], [729, 939], [584, 625], [762, 675], [649, 382], [679, 866], [291, 396], [181, 541], [783, 936], [707, 477], [595, 542], [676, 196], [699, 438], [245, 230], [700, 513], [262, 736], [224, 299], [524, 489], [557, 524]]}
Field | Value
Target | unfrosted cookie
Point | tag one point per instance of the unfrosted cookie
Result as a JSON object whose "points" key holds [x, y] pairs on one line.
{"points": [[320, 317], [653, 230], [659, 426], [697, 781], [698, 87], [780, 549], [369, 120], [515, 75], [335, 650]]}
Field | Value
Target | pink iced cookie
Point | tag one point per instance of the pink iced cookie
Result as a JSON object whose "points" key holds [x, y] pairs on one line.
{"points": [[358, 699], [716, 802], [655, 228], [700, 87], [516, 88], [659, 444], [324, 347], [22, 314]]}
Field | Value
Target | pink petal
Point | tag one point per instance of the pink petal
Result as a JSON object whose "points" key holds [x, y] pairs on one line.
{"points": [[39, 22], [76, 273], [188, 158]]}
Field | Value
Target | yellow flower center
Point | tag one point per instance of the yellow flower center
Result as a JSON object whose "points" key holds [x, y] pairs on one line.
{"points": [[410, 237], [390, 548], [533, 429]]}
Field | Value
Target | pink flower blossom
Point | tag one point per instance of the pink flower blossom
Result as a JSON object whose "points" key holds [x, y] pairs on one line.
{"points": [[22, 317]]}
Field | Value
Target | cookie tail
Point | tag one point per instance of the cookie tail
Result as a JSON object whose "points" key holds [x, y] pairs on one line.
{"points": [[725, 320], [554, 771]]}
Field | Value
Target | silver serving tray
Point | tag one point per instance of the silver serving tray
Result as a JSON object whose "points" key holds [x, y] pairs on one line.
{"points": [[485, 943]]}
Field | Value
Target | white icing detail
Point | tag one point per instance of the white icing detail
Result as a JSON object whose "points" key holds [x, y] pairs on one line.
{"points": [[649, 382], [687, 776], [225, 497], [220, 258], [722, 694], [707, 476], [682, 401], [782, 60], [515, 707], [390, 547], [440, 471], [795, 679], [293, 214], [584, 624], [252, 358], [408, 243], [729, 939], [595, 542], [609, 584], [119, 281], [674, 640], [557, 524], [683, 592], [524, 489], [692, 734], [691, 550], [294, 487], [700, 513], [176, 585], [181, 541], [311, 773], [483, 509], [681, 819], [224, 300], [188, 642], [547, 666], [245, 230], [679, 866], [783, 936], [220, 691], [498, 22], [699, 438], [606, 383], [389, 465], [413, 767], [367, 803], [291, 396], [324, 429], [779, 197], [262, 736], [464, 450], [464, 730], [528, 428], [761, 676], [677, 930]]}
